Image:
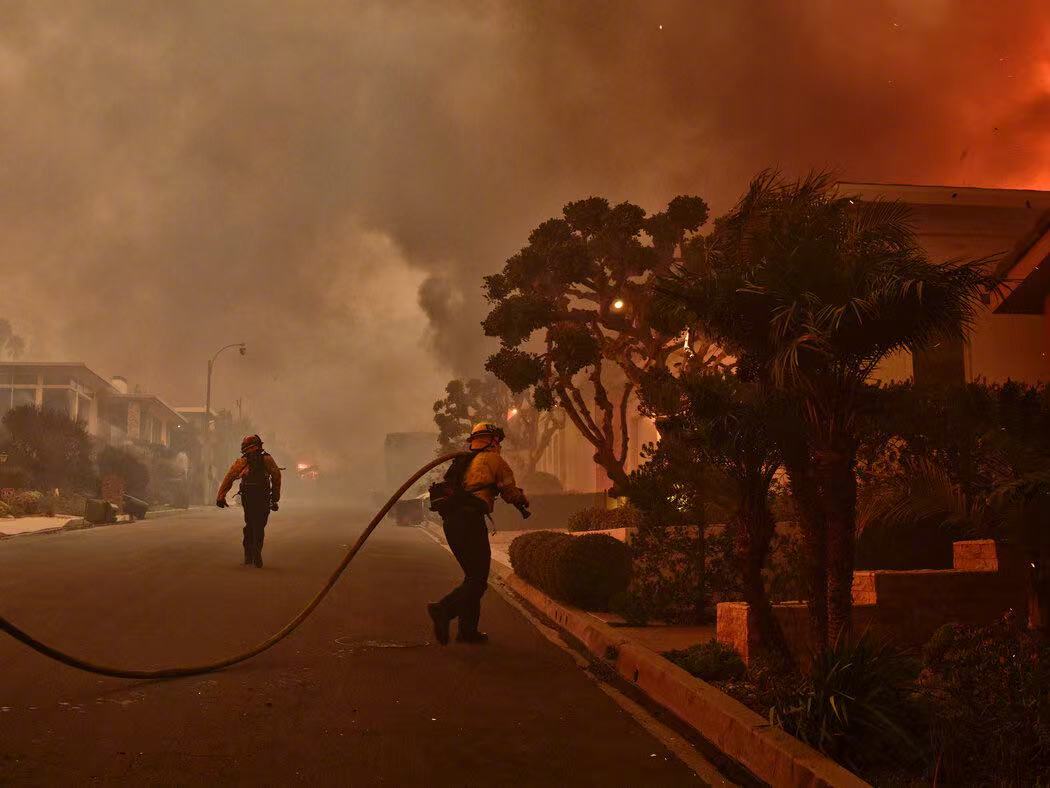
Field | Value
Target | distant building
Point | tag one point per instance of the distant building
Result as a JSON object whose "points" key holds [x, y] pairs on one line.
{"points": [[108, 411]]}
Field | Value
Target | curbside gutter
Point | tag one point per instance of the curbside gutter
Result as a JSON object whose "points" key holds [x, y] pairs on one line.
{"points": [[763, 749]]}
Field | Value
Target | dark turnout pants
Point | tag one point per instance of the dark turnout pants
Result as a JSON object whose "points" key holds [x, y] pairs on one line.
{"points": [[468, 539], [256, 513]]}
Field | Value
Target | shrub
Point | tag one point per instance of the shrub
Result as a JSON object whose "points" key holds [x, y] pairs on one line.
{"points": [[586, 571], [668, 578], [989, 693], [858, 706], [126, 465], [589, 519], [26, 502], [63, 504], [5, 510], [711, 661], [596, 518]]}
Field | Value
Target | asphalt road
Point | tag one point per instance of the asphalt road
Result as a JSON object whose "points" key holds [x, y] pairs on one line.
{"points": [[357, 696]]}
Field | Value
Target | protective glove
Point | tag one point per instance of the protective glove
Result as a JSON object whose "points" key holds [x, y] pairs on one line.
{"points": [[221, 503], [273, 506]]}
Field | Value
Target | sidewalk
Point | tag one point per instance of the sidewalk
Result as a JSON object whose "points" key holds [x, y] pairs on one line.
{"points": [[40, 524], [32, 525], [767, 752]]}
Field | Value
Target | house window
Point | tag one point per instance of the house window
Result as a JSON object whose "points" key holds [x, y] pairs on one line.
{"points": [[60, 400], [23, 396]]}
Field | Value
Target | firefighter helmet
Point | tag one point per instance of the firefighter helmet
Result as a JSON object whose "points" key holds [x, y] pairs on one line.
{"points": [[250, 443], [483, 428]]}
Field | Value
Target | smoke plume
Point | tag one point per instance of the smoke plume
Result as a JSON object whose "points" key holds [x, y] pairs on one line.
{"points": [[329, 181]]}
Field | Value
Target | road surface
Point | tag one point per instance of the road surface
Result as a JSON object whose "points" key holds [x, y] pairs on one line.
{"points": [[357, 696]]}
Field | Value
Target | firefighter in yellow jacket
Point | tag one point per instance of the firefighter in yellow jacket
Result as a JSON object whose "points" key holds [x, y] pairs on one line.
{"points": [[486, 476], [260, 491]]}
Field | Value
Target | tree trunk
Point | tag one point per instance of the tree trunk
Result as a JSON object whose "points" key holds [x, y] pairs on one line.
{"points": [[811, 523], [614, 470], [838, 483], [755, 527]]}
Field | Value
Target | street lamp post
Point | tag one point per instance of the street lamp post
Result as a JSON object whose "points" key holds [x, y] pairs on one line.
{"points": [[207, 415]]}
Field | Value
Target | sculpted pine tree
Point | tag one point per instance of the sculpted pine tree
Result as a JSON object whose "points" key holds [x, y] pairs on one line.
{"points": [[577, 302], [529, 431]]}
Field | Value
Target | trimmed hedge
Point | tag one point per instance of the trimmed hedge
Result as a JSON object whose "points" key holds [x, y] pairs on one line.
{"points": [[586, 571], [595, 518]]}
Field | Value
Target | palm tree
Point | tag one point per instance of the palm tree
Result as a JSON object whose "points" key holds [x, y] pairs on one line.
{"points": [[811, 290]]}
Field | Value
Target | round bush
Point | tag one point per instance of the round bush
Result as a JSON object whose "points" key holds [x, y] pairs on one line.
{"points": [[586, 571], [28, 501]]}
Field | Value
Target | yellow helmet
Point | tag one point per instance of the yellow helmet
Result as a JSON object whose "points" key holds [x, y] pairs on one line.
{"points": [[483, 428]]}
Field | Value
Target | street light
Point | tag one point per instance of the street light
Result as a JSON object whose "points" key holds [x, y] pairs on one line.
{"points": [[243, 348], [617, 305]]}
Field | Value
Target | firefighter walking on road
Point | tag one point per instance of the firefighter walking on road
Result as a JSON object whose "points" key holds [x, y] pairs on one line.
{"points": [[470, 489], [260, 491]]}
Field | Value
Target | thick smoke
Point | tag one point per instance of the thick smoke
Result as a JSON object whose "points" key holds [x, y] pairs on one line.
{"points": [[328, 181]]}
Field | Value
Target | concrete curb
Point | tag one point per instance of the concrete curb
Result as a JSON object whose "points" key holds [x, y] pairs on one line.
{"points": [[766, 751]]}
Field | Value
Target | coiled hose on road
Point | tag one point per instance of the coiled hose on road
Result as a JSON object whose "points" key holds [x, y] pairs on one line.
{"points": [[291, 626]]}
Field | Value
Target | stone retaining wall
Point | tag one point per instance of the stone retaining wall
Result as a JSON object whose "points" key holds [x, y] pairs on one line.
{"points": [[903, 606]]}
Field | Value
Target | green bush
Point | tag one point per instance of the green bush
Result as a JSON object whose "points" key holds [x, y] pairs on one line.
{"points": [[5, 510], [989, 700], [596, 518], [62, 504], [26, 502], [586, 571], [711, 661], [858, 706]]}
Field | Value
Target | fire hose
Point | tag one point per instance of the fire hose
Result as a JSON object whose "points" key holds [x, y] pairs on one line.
{"points": [[195, 670]]}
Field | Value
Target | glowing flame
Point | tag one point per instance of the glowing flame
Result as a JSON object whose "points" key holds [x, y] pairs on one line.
{"points": [[302, 466], [618, 304], [512, 413]]}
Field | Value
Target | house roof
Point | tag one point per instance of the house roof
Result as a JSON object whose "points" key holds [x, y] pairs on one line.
{"points": [[77, 369], [1027, 280], [931, 194], [1026, 271], [153, 399]]}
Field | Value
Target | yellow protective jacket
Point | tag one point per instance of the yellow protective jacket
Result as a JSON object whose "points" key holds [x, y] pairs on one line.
{"points": [[240, 468], [489, 475]]}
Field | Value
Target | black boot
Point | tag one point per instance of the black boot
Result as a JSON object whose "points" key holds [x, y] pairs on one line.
{"points": [[440, 619], [257, 558], [478, 638], [247, 555]]}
